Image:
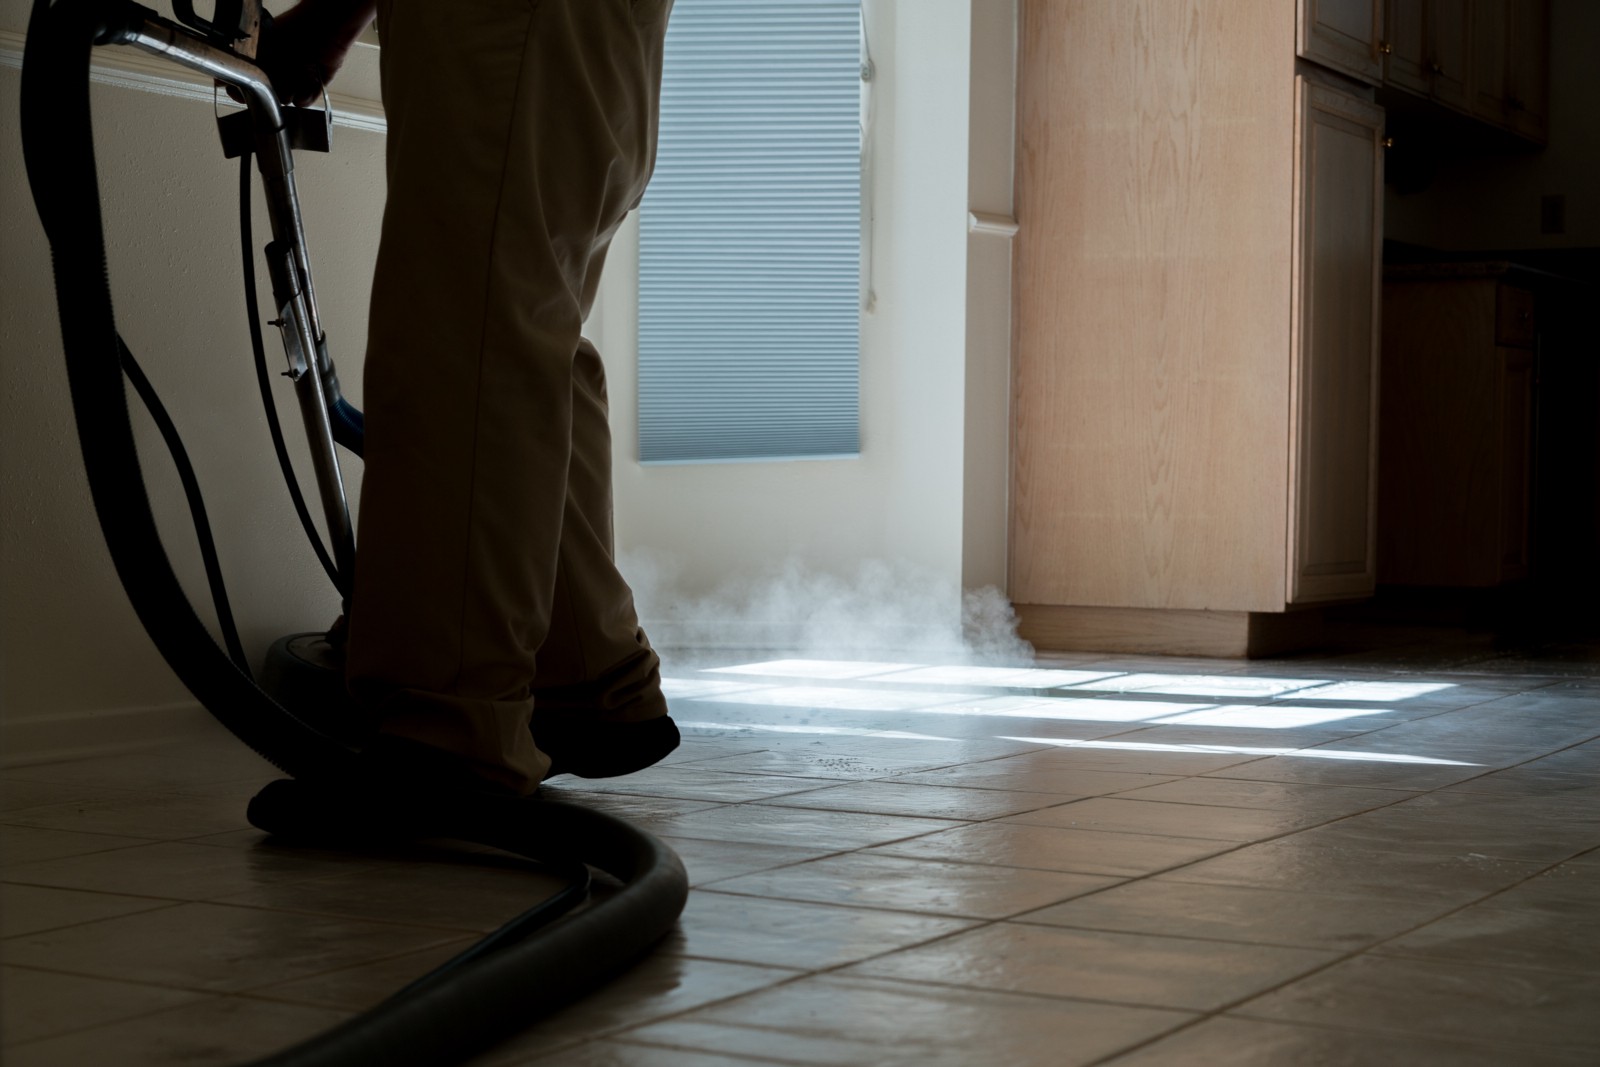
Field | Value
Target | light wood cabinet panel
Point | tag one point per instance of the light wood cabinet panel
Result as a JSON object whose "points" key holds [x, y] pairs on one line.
{"points": [[1339, 190], [1195, 287], [1343, 35], [1152, 301]]}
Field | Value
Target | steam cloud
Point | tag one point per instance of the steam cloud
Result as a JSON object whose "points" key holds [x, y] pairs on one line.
{"points": [[886, 607]]}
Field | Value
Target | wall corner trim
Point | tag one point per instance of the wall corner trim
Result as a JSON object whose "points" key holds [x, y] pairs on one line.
{"points": [[991, 225]]}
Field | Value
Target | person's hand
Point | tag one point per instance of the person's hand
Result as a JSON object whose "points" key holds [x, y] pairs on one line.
{"points": [[303, 48]]}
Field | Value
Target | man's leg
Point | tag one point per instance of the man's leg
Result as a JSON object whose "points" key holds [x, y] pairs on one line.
{"points": [[598, 708], [520, 134]]}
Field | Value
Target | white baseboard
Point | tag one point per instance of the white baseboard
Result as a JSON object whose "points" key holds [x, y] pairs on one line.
{"points": [[74, 735]]}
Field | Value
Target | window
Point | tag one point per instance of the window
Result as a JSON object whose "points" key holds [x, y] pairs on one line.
{"points": [[750, 236]]}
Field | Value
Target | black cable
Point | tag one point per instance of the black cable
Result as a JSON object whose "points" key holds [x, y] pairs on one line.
{"points": [[197, 503], [450, 1015], [264, 380]]}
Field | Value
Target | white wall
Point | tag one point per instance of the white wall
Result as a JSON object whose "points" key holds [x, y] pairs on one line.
{"points": [[928, 489], [69, 643]]}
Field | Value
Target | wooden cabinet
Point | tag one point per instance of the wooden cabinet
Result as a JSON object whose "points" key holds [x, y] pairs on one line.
{"points": [[1510, 65], [1334, 373], [1195, 307], [1344, 35], [1457, 427], [1425, 49]]}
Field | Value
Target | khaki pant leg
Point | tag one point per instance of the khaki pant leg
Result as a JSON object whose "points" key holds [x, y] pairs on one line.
{"points": [[520, 134]]}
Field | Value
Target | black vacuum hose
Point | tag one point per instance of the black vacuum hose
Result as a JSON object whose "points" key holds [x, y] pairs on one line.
{"points": [[459, 1010]]}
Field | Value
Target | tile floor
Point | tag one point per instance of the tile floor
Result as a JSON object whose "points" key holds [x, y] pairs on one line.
{"points": [[1341, 860]]}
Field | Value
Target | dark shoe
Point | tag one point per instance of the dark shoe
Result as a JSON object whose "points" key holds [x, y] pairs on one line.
{"points": [[591, 748], [396, 790]]}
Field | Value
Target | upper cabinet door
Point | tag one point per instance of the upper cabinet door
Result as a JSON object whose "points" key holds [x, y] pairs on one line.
{"points": [[1344, 35], [1527, 68], [1449, 34], [1405, 45]]}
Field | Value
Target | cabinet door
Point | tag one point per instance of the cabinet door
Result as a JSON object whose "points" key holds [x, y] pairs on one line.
{"points": [[1527, 77], [1333, 376], [1491, 23], [1343, 34], [1449, 34], [1405, 45]]}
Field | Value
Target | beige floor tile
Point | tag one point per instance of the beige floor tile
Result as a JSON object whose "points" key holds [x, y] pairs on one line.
{"points": [[1328, 800], [162, 769], [1290, 864], [1104, 756], [213, 1032], [1353, 772], [213, 948], [1454, 824], [928, 801], [1170, 820], [660, 986], [1532, 780], [853, 1021], [161, 816], [1029, 773], [1252, 1043], [624, 1054], [871, 880], [832, 830], [712, 861], [1241, 913], [1051, 848], [177, 870], [1167, 972], [20, 845], [37, 1004], [1572, 888], [644, 811], [464, 896], [689, 782], [21, 793], [366, 984], [1490, 935], [834, 765], [1445, 1000], [784, 933], [26, 909]]}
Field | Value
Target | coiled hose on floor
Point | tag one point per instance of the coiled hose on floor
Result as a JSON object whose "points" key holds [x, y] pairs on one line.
{"points": [[493, 990]]}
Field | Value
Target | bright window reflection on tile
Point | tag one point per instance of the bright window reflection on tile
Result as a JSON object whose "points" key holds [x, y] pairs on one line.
{"points": [[803, 696], [838, 670], [1245, 750], [1085, 710], [1201, 685], [1373, 690], [1009, 677], [1267, 716], [687, 688]]}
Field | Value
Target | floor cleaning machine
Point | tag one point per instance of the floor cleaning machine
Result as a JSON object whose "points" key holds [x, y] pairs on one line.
{"points": [[557, 950]]}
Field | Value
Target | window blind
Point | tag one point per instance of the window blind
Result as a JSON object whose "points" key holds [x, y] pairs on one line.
{"points": [[750, 236]]}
